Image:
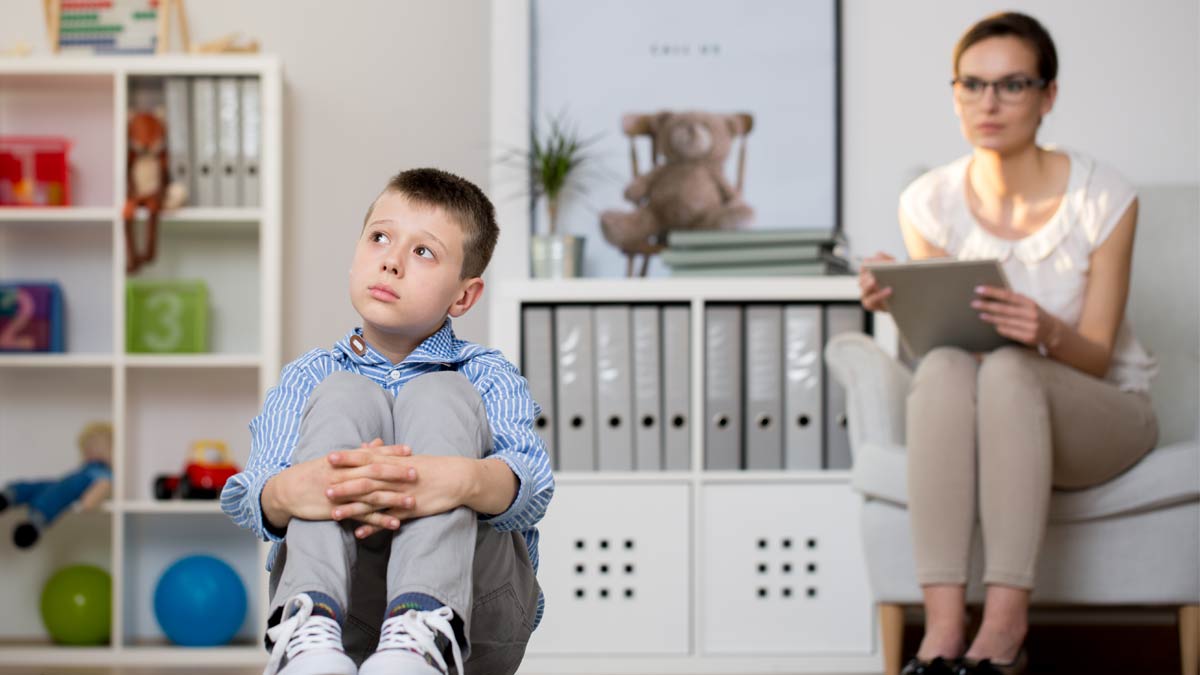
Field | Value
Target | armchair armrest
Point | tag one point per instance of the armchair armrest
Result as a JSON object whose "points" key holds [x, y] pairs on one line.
{"points": [[876, 387]]}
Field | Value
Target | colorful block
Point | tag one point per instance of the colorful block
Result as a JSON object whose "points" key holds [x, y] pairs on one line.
{"points": [[166, 317], [31, 317]]}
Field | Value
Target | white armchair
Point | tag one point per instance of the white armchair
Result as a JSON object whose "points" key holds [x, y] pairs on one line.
{"points": [[1134, 540]]}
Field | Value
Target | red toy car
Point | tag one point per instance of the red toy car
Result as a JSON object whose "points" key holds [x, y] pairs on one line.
{"points": [[208, 467]]}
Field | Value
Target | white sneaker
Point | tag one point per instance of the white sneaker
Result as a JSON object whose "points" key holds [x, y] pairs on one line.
{"points": [[307, 644], [408, 645]]}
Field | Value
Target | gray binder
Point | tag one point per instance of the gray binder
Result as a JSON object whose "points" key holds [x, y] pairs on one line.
{"points": [[838, 319], [803, 389], [722, 387], [647, 389], [573, 387], [251, 142], [229, 141], [537, 365], [614, 388], [179, 129], [204, 142], [677, 387], [764, 387]]}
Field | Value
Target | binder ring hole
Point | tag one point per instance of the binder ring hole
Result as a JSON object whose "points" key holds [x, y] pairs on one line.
{"points": [[803, 420], [541, 422], [678, 421], [841, 420], [764, 421], [648, 421], [577, 421], [721, 421], [614, 421]]}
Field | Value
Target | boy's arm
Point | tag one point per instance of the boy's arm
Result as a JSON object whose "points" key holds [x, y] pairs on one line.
{"points": [[273, 435], [511, 412]]}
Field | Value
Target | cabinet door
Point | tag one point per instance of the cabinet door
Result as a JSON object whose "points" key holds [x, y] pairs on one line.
{"points": [[783, 571], [615, 569]]}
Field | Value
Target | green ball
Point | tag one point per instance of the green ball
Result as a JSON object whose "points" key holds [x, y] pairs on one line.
{"points": [[77, 606]]}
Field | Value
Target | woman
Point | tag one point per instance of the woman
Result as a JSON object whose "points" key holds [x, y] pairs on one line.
{"points": [[1068, 408]]}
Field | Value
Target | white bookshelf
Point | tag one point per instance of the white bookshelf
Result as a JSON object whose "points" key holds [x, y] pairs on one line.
{"points": [[158, 404]]}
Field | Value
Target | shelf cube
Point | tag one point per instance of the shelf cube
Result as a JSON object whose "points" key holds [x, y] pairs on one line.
{"points": [[166, 317], [31, 317]]}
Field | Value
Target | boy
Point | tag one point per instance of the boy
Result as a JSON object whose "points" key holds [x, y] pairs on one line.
{"points": [[399, 473]]}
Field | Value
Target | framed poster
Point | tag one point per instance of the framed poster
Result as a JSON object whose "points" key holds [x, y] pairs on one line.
{"points": [[778, 60]]}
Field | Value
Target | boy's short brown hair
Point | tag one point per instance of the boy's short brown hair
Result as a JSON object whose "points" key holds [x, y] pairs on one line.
{"points": [[463, 201]]}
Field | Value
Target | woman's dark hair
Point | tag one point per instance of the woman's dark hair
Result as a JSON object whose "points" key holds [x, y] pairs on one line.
{"points": [[1018, 25]]}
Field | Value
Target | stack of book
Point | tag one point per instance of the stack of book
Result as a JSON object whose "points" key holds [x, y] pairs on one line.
{"points": [[792, 252]]}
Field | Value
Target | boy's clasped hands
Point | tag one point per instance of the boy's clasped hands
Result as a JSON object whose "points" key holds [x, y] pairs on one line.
{"points": [[378, 485]]}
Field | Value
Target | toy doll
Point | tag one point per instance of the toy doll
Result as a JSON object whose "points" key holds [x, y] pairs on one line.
{"points": [[89, 486]]}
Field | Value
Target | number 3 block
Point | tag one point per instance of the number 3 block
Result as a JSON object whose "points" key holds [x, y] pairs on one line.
{"points": [[166, 316], [31, 317]]}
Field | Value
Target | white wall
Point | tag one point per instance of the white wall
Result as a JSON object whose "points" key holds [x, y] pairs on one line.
{"points": [[376, 85], [1128, 81]]}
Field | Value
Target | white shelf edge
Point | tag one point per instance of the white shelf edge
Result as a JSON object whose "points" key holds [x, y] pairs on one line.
{"points": [[700, 664], [169, 506], [96, 215], [166, 655], [703, 477], [168, 64], [212, 215], [56, 360], [708, 289], [192, 360], [49, 655]]}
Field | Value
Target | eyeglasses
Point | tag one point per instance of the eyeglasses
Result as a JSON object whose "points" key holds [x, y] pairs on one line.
{"points": [[1008, 90]]}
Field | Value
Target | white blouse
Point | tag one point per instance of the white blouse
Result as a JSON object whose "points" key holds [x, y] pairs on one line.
{"points": [[1051, 265]]}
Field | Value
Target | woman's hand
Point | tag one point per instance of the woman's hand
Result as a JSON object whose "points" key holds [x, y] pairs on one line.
{"points": [[874, 298], [1017, 317]]}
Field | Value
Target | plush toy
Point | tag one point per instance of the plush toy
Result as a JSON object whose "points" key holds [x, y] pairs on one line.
{"points": [[148, 184], [89, 485], [686, 189]]}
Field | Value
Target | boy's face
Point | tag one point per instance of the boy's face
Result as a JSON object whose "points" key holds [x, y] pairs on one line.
{"points": [[405, 275]]}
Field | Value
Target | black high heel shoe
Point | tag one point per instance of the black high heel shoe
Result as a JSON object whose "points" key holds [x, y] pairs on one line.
{"points": [[1017, 666], [938, 666]]}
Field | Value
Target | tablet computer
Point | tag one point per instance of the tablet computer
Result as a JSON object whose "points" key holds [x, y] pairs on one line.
{"points": [[931, 302]]}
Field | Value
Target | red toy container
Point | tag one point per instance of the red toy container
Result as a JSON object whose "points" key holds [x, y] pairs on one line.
{"points": [[34, 171]]}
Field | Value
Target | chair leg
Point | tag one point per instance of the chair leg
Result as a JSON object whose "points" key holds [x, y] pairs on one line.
{"points": [[1189, 639], [891, 624]]}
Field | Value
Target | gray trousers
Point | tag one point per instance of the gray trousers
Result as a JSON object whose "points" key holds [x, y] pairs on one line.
{"points": [[483, 575], [989, 440]]}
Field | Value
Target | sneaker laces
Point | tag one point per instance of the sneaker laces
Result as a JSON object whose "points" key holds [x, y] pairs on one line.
{"points": [[300, 632], [418, 632]]}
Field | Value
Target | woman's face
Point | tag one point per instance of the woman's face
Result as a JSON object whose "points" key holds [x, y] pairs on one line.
{"points": [[1003, 117]]}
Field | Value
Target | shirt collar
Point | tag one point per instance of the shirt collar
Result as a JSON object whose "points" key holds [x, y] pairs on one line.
{"points": [[441, 347]]}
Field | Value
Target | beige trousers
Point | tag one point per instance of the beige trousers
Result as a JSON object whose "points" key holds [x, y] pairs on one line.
{"points": [[987, 440]]}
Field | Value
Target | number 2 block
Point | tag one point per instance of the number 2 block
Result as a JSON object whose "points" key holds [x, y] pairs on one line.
{"points": [[168, 317], [31, 317]]}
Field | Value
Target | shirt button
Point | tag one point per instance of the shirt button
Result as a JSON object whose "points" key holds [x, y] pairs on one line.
{"points": [[394, 375]]}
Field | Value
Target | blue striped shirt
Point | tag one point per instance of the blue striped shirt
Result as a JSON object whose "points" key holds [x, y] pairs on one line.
{"points": [[510, 411]]}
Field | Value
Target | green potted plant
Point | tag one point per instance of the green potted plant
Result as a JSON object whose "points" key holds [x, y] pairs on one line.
{"points": [[556, 161]]}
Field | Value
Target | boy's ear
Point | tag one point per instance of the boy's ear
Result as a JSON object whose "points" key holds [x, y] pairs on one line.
{"points": [[468, 295]]}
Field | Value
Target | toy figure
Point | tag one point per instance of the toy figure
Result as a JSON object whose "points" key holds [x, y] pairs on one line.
{"points": [[148, 184], [89, 485]]}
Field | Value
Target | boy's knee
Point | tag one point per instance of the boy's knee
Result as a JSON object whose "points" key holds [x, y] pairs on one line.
{"points": [[349, 409], [441, 398]]}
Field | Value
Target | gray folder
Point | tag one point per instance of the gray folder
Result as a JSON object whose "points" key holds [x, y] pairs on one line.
{"points": [[723, 387], [838, 319], [803, 388], [179, 129], [647, 389], [537, 365], [574, 366], [229, 141], [677, 387], [764, 387], [614, 388], [204, 142], [251, 142]]}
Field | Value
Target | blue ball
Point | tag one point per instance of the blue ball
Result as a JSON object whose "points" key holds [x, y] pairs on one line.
{"points": [[200, 602]]}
